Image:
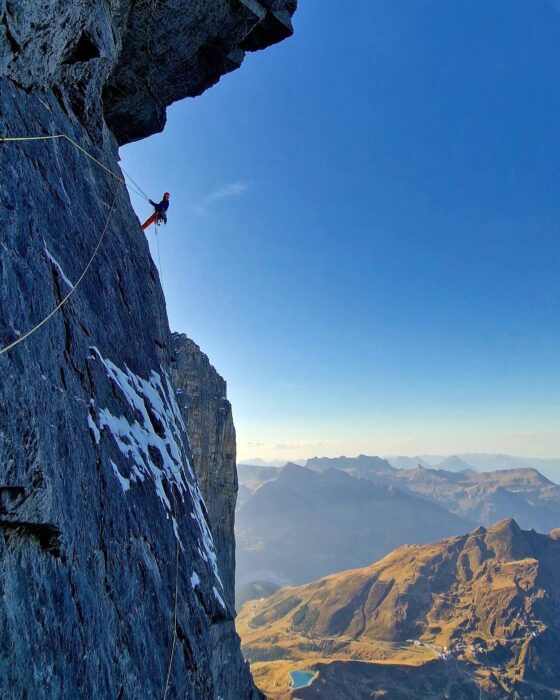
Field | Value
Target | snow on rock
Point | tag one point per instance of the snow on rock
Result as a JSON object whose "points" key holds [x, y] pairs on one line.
{"points": [[153, 447], [219, 598], [94, 429], [125, 483], [57, 266]]}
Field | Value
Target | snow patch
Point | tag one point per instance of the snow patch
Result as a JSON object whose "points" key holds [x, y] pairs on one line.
{"points": [[195, 580], [125, 483], [219, 598], [152, 442], [56, 264], [94, 429]]}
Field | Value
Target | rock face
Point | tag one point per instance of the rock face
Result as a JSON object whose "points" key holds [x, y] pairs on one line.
{"points": [[109, 577], [135, 96], [202, 400], [124, 62]]}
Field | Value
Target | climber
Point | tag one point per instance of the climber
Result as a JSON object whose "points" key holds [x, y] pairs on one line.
{"points": [[160, 213]]}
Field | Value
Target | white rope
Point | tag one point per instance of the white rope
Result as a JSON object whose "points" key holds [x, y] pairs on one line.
{"points": [[135, 187], [139, 190], [159, 262], [175, 602], [120, 181], [71, 292]]}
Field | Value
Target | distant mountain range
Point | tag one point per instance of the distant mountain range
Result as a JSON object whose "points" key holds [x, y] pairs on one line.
{"points": [[485, 497], [474, 616], [295, 524], [480, 462], [480, 497], [450, 464], [475, 461], [304, 524], [362, 464]]}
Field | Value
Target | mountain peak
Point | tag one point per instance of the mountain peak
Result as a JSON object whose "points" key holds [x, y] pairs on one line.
{"points": [[455, 464], [293, 469], [478, 603], [505, 525]]}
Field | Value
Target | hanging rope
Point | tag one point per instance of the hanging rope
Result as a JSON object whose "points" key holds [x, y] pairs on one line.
{"points": [[120, 181], [139, 190], [72, 290], [159, 263], [135, 187], [176, 599]]}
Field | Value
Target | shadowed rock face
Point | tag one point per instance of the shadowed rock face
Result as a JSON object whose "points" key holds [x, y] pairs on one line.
{"points": [[169, 53], [106, 554], [201, 396], [136, 57], [202, 399]]}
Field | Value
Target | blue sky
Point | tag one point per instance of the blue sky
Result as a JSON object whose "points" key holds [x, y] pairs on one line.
{"points": [[364, 230]]}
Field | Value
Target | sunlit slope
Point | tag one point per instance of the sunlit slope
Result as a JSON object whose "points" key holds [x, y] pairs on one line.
{"points": [[486, 606]]}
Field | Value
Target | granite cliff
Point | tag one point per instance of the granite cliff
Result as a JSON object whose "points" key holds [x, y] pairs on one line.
{"points": [[111, 584]]}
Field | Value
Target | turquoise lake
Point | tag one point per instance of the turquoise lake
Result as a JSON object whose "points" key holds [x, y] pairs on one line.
{"points": [[301, 679]]}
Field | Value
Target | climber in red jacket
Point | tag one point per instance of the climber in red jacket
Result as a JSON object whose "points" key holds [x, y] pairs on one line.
{"points": [[160, 213]]}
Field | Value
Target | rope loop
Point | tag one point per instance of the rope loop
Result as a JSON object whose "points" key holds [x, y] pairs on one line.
{"points": [[120, 181]]}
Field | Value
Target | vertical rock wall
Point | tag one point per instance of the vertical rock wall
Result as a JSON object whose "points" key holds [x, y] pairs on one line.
{"points": [[202, 399], [100, 512]]}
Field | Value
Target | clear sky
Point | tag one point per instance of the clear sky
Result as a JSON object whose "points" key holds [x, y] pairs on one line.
{"points": [[364, 230]]}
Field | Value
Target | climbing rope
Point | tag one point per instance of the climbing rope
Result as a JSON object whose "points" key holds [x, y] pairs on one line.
{"points": [[120, 181], [72, 290], [176, 599], [159, 262], [51, 137], [138, 190]]}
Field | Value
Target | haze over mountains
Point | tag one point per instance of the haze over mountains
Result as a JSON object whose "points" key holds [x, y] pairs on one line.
{"points": [[477, 461], [479, 612], [346, 512], [480, 461], [304, 524]]}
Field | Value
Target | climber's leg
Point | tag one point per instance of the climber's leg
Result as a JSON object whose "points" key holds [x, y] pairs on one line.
{"points": [[149, 222]]}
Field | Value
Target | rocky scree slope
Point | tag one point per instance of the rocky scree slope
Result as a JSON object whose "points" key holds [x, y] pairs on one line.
{"points": [[109, 577]]}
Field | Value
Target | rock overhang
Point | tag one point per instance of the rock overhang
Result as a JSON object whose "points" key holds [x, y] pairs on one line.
{"points": [[126, 62], [169, 54]]}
